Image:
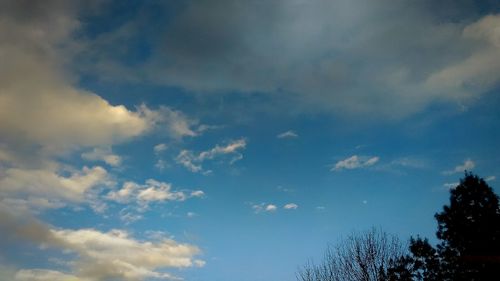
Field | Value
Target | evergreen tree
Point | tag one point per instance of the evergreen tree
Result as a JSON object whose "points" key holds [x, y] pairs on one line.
{"points": [[469, 234]]}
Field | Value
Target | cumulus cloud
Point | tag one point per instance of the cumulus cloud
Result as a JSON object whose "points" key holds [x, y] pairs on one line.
{"points": [[103, 154], [290, 206], [51, 184], [263, 207], [193, 162], [287, 135], [99, 255], [271, 208], [355, 162], [468, 165], [150, 191]]}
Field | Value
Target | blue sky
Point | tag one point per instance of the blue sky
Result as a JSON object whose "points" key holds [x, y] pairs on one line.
{"points": [[233, 140]]}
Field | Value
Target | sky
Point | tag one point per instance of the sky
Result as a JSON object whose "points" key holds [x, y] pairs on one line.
{"points": [[232, 140]]}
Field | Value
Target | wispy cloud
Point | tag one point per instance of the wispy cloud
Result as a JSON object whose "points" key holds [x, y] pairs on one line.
{"points": [[450, 185], [193, 162], [159, 148], [355, 162], [468, 165], [290, 206], [288, 135]]}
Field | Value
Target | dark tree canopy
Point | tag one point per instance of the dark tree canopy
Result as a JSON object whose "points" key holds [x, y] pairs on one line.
{"points": [[469, 228], [469, 234]]}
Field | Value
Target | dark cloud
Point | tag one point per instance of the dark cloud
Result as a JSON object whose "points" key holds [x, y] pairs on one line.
{"points": [[353, 57]]}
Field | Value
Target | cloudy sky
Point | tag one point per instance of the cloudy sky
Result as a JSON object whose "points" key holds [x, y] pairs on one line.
{"points": [[233, 140]]}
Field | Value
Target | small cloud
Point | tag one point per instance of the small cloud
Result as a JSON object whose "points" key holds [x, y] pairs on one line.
{"points": [[409, 162], [365, 202], [291, 206], [159, 148], [320, 208], [355, 162], [191, 214], [284, 189], [161, 164], [199, 263], [490, 178], [288, 135], [271, 208], [197, 193], [466, 166], [129, 218], [262, 207], [450, 185], [203, 128]]}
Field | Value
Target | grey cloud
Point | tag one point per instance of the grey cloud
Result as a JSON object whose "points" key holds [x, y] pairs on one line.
{"points": [[347, 56]]}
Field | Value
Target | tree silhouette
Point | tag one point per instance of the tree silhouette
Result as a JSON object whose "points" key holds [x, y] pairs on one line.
{"points": [[469, 234], [365, 256]]}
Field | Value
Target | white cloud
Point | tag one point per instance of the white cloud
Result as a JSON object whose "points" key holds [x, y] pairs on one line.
{"points": [[263, 207], [468, 165], [186, 158], [103, 154], [159, 191], [151, 191], [198, 193], [129, 217], [450, 185], [355, 162], [230, 148], [100, 255], [50, 184], [125, 193], [271, 208], [159, 148], [290, 206], [490, 178], [193, 162], [288, 135]]}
